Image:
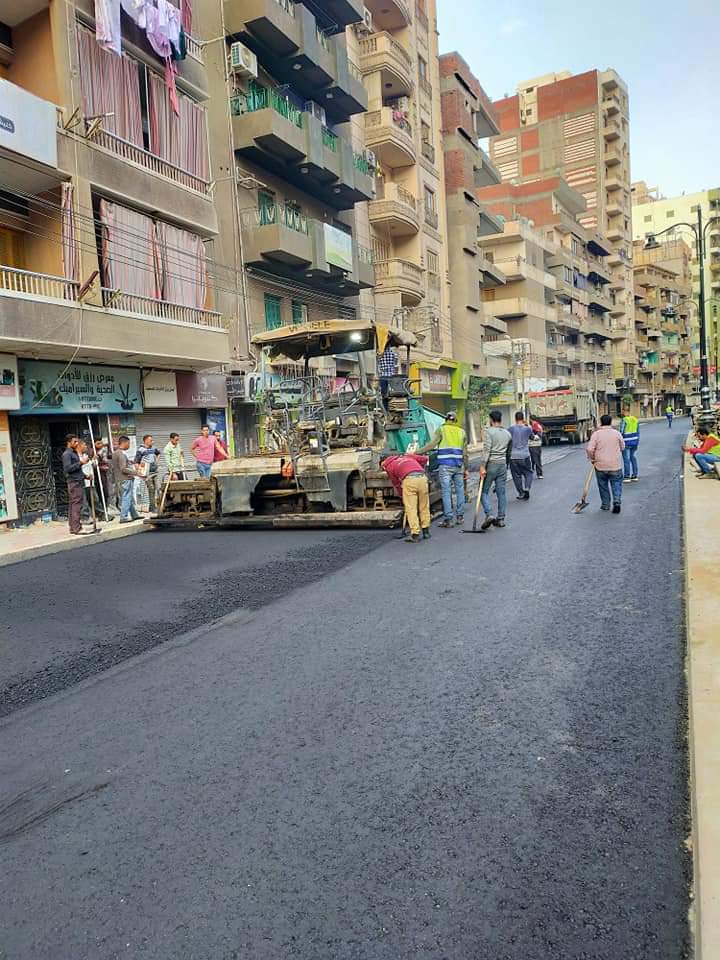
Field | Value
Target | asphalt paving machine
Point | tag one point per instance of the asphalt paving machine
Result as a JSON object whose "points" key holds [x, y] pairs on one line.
{"points": [[318, 459]]}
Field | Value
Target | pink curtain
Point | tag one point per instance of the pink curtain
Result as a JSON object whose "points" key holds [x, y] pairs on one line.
{"points": [[71, 253], [181, 140], [184, 266], [110, 84], [130, 259]]}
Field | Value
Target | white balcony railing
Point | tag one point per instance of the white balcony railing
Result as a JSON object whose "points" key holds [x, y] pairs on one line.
{"points": [[37, 285], [148, 161], [194, 48], [161, 310]]}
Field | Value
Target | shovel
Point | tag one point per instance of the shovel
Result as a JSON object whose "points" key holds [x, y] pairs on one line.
{"points": [[477, 508], [583, 501]]}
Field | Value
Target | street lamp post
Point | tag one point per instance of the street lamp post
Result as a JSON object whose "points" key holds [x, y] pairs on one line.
{"points": [[699, 231]]}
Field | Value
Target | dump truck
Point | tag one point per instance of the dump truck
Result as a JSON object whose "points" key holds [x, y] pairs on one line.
{"points": [[565, 414], [318, 459]]}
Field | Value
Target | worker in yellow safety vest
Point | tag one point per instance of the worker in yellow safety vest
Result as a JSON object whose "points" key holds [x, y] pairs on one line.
{"points": [[630, 430], [451, 442]]}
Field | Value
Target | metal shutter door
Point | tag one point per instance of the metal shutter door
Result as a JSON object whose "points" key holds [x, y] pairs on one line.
{"points": [[185, 422]]}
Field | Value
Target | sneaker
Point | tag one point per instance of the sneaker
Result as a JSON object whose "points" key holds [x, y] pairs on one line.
{"points": [[603, 507], [520, 496], [447, 523], [413, 538], [539, 477], [526, 495], [705, 476], [426, 533], [460, 521], [487, 523], [500, 522], [634, 479], [616, 508], [627, 480]]}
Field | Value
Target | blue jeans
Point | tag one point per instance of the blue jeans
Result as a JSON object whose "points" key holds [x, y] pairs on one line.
{"points": [[630, 462], [705, 461], [127, 504], [452, 477], [608, 480], [669, 420], [496, 474], [203, 469]]}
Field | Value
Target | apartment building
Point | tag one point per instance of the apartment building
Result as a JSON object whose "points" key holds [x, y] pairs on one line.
{"points": [[113, 302], [652, 215], [467, 117], [559, 279], [399, 64], [577, 127], [663, 321]]}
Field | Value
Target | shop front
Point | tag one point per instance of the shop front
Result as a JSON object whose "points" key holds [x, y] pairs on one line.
{"points": [[443, 385], [56, 399]]}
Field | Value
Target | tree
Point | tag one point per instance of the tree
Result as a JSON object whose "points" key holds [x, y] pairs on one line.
{"points": [[481, 392]]}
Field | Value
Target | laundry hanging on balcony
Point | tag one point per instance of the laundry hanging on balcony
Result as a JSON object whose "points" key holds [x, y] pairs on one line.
{"points": [[107, 25], [70, 251]]}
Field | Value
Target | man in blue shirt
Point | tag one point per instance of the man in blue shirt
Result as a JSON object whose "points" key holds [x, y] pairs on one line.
{"points": [[147, 455], [520, 461]]}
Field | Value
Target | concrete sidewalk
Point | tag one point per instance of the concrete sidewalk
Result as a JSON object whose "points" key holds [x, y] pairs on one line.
{"points": [[41, 539], [702, 545]]}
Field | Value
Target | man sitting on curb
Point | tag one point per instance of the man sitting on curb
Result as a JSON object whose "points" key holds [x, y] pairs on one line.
{"points": [[407, 474], [707, 454]]}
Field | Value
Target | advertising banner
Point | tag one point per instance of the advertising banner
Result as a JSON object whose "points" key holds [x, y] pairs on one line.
{"points": [[201, 390], [338, 247], [9, 389], [47, 387], [435, 381], [27, 124], [160, 389], [8, 503]]}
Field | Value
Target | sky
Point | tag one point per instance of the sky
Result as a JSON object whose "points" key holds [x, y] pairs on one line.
{"points": [[663, 49]]}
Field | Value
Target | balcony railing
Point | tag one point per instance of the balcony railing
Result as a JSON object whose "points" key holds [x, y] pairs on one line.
{"points": [[260, 98], [287, 5], [271, 213], [431, 217], [26, 283], [161, 310], [329, 139], [194, 48], [428, 151], [148, 161]]}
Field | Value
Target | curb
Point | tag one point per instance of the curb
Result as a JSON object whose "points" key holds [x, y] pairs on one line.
{"points": [[74, 543]]}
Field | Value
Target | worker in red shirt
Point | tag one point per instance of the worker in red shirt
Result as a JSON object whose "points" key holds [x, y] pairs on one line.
{"points": [[707, 454], [407, 474]]}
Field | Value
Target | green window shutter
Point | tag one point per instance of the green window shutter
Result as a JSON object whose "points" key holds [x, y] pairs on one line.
{"points": [[299, 312], [266, 207], [273, 319]]}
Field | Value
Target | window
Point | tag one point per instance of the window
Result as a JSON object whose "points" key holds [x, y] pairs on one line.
{"points": [[430, 202], [424, 132], [695, 208], [299, 312], [567, 274], [433, 262], [670, 214], [11, 249], [648, 218], [422, 69], [273, 318]]}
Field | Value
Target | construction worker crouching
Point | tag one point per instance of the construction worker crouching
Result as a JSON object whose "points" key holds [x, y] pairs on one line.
{"points": [[451, 443], [407, 475]]}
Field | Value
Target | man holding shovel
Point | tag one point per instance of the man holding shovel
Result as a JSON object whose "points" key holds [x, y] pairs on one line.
{"points": [[493, 470]]}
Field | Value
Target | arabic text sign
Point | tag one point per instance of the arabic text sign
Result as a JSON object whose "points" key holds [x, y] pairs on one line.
{"points": [[47, 387]]}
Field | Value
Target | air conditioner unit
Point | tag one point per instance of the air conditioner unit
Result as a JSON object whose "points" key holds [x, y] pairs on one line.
{"points": [[243, 61], [316, 110]]}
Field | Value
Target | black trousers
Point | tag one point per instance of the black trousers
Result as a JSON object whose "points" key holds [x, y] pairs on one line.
{"points": [[536, 459], [522, 474]]}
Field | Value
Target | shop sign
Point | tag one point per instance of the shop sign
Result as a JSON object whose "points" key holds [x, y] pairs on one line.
{"points": [[8, 503], [201, 390], [235, 386], [47, 387], [160, 389], [338, 247], [28, 124], [9, 390], [216, 421], [435, 381]]}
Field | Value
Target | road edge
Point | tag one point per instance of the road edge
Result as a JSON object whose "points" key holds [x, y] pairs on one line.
{"points": [[701, 505], [71, 543]]}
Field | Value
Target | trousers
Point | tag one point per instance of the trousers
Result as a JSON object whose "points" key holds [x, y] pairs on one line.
{"points": [[609, 480], [452, 477], [536, 459], [522, 474], [127, 504], [75, 502], [416, 503], [630, 463], [496, 474]]}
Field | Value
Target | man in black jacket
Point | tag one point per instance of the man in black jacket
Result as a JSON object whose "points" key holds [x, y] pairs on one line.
{"points": [[72, 468]]}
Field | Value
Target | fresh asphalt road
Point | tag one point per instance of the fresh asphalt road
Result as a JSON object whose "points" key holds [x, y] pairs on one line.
{"points": [[471, 749]]}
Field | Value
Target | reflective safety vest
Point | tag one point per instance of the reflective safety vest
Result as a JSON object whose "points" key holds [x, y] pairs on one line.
{"points": [[669, 411], [452, 446], [630, 430]]}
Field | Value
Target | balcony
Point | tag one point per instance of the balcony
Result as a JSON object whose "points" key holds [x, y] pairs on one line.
{"points": [[400, 276], [613, 183], [295, 50], [297, 146], [615, 233], [611, 105], [485, 172], [42, 308], [612, 131], [382, 54], [614, 208], [389, 135], [389, 14], [282, 240], [613, 157], [395, 210], [509, 308]]}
